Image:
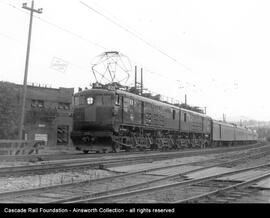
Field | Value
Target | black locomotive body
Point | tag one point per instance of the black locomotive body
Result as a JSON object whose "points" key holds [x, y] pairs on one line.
{"points": [[112, 120]]}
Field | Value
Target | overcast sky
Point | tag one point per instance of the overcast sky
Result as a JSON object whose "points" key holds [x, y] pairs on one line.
{"points": [[215, 51]]}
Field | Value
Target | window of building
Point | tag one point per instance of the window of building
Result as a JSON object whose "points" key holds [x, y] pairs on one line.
{"points": [[37, 103], [63, 106], [62, 135]]}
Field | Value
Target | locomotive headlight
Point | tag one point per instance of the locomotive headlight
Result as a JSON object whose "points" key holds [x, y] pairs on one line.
{"points": [[90, 100]]}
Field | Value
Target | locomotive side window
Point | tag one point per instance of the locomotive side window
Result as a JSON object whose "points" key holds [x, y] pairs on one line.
{"points": [[173, 114], [126, 104], [131, 102], [90, 100], [117, 99], [185, 117]]}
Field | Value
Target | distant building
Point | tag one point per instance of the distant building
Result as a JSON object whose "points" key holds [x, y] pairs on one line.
{"points": [[48, 114]]}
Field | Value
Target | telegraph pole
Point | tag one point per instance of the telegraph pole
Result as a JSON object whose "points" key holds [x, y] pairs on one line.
{"points": [[32, 10], [141, 81], [135, 79]]}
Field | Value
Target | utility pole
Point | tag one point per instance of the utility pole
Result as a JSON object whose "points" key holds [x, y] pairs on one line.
{"points": [[32, 10], [224, 117], [135, 79], [141, 81]]}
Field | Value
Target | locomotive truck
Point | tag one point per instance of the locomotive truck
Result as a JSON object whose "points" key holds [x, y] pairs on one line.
{"points": [[107, 119]]}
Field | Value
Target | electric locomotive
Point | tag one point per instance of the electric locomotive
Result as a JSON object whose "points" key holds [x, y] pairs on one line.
{"points": [[108, 119]]}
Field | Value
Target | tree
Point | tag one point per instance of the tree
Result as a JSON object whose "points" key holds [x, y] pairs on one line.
{"points": [[264, 132], [9, 110]]}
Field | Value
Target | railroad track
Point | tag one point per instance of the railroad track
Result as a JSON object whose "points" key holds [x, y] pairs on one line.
{"points": [[68, 156], [130, 195], [96, 163], [112, 186], [229, 193]]}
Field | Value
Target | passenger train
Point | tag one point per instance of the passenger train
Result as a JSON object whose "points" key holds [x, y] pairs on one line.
{"points": [[108, 119]]}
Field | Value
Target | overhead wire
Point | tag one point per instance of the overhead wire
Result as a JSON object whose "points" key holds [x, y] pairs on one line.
{"points": [[136, 35], [139, 37], [56, 26], [146, 69]]}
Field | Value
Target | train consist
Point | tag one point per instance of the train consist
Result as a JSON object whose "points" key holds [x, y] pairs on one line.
{"points": [[110, 120]]}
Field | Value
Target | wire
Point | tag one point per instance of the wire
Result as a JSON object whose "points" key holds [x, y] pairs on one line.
{"points": [[136, 35], [70, 32], [146, 69], [56, 26]]}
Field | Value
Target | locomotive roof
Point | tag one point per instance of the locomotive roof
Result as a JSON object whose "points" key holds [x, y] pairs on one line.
{"points": [[128, 94], [153, 101], [145, 99], [95, 91]]}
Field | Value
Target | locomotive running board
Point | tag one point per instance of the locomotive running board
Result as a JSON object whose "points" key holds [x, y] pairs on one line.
{"points": [[121, 143]]}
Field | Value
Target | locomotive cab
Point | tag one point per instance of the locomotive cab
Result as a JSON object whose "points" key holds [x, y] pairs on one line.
{"points": [[93, 118]]}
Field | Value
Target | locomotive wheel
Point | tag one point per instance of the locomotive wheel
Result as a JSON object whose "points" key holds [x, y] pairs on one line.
{"points": [[115, 147], [104, 151], [154, 147], [141, 149], [128, 149]]}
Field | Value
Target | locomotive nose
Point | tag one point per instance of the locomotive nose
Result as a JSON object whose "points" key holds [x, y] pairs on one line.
{"points": [[93, 118], [90, 114], [85, 114]]}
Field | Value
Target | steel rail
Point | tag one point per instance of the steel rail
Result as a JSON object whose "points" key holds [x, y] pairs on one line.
{"points": [[162, 187], [222, 190], [158, 180], [67, 164], [115, 155], [109, 178]]}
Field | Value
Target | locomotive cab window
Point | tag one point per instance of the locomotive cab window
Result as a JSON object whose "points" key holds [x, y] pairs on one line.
{"points": [[185, 117], [90, 100], [76, 100], [79, 100], [98, 100], [106, 100]]}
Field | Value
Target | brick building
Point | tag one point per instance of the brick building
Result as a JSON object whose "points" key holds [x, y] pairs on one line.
{"points": [[48, 114]]}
